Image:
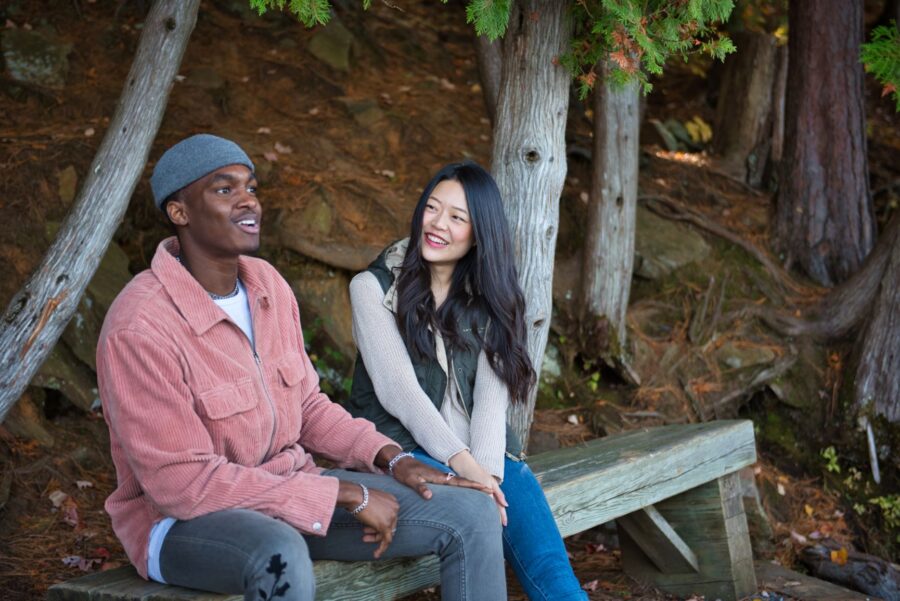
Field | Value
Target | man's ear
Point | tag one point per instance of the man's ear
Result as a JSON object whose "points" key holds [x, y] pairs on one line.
{"points": [[176, 211]]}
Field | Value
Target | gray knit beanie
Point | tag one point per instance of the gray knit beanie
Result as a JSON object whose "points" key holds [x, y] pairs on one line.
{"points": [[191, 159]]}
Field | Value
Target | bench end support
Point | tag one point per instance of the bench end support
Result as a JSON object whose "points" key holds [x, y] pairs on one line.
{"points": [[709, 520]]}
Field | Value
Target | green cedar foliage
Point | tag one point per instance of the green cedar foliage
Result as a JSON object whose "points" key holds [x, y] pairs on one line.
{"points": [[636, 37], [490, 17], [309, 12], [881, 57]]}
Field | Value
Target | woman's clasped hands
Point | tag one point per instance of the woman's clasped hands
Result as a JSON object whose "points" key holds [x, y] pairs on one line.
{"points": [[464, 464]]}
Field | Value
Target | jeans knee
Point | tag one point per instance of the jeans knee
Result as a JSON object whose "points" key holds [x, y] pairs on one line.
{"points": [[517, 471], [474, 513], [281, 566]]}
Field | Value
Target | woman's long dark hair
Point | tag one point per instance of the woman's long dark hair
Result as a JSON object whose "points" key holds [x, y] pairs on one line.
{"points": [[484, 283]]}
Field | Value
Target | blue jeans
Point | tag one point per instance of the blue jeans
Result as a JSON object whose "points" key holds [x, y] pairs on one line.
{"points": [[531, 541]]}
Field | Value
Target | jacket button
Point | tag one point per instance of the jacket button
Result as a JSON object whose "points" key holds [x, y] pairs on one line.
{"points": [[317, 526]]}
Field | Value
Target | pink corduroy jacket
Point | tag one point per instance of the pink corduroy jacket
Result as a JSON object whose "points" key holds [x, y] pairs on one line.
{"points": [[201, 421]]}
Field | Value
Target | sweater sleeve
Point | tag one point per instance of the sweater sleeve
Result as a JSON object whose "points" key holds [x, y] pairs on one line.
{"points": [[390, 368], [488, 426], [150, 410]]}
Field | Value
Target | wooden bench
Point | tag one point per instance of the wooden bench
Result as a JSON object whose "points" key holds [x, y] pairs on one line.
{"points": [[673, 491]]}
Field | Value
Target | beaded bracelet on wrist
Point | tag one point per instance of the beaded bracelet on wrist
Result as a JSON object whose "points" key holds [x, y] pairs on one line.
{"points": [[365, 501], [396, 459]]}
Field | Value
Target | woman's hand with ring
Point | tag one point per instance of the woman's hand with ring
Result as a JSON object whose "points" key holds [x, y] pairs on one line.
{"points": [[417, 475], [465, 465]]}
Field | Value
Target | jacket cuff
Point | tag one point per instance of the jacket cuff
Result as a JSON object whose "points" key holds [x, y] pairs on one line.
{"points": [[367, 446], [311, 503]]}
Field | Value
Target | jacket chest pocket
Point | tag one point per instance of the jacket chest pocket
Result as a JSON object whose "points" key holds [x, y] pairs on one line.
{"points": [[234, 419], [286, 385]]}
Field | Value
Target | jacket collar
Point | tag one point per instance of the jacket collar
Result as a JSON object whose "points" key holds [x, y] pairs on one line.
{"points": [[189, 297]]}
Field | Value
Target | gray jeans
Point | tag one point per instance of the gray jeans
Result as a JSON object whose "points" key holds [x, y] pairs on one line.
{"points": [[241, 551]]}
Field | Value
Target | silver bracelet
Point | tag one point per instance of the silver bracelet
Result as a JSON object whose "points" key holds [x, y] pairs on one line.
{"points": [[365, 501], [397, 458]]}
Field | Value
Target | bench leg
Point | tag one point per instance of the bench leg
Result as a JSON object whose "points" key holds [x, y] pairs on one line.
{"points": [[711, 534]]}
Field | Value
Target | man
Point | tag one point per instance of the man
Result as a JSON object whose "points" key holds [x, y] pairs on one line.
{"points": [[213, 408]]}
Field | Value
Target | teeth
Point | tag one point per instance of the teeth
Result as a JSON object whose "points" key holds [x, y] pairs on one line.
{"points": [[247, 222], [437, 240]]}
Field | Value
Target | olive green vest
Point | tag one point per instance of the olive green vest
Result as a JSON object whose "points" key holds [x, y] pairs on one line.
{"points": [[364, 403]]}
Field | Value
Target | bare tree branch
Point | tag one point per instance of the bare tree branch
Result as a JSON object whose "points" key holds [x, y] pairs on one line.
{"points": [[38, 313]]}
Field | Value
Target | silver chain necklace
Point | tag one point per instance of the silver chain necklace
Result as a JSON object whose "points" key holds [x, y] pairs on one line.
{"points": [[213, 295]]}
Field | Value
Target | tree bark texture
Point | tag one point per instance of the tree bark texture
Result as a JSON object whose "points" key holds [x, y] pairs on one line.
{"points": [[824, 221], [609, 242], [529, 160], [39, 312], [778, 93], [490, 72], [877, 384], [743, 115]]}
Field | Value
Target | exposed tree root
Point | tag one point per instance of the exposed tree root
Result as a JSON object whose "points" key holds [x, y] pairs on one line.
{"points": [[845, 307], [668, 207], [836, 315], [759, 380]]}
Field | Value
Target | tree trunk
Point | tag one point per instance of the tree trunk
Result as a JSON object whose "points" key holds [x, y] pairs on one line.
{"points": [[743, 116], [778, 92], [39, 312], [490, 72], [877, 384], [529, 160], [609, 243], [824, 221]]}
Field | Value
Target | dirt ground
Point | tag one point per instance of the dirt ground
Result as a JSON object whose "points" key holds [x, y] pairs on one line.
{"points": [[409, 104]]}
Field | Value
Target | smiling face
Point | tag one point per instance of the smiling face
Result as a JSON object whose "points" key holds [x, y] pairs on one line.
{"points": [[447, 233], [219, 215]]}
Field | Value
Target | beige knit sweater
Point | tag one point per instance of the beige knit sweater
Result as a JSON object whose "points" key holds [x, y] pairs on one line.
{"points": [[443, 433]]}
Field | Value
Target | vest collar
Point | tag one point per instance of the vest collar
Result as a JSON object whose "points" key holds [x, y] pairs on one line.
{"points": [[393, 260]]}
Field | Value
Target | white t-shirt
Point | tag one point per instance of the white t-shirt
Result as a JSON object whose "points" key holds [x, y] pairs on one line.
{"points": [[238, 309]]}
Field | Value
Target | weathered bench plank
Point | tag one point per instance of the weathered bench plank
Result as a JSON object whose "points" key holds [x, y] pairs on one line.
{"points": [[374, 580], [616, 475], [586, 485]]}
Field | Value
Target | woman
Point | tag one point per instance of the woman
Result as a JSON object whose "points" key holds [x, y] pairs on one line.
{"points": [[439, 323]]}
